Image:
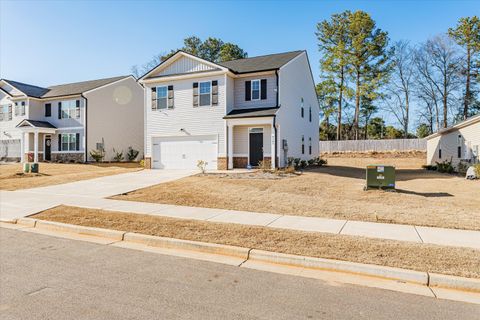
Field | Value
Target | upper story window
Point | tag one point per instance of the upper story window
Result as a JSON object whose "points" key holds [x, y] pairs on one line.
{"points": [[6, 112], [310, 114], [302, 110], [48, 110], [205, 93], [20, 108], [255, 89], [69, 109], [162, 97]]}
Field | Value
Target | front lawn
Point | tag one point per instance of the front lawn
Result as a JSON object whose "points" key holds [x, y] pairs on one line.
{"points": [[421, 257], [13, 178], [335, 191]]}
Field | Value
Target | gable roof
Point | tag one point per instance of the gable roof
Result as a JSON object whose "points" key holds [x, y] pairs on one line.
{"points": [[462, 124], [63, 89], [252, 113], [261, 63], [268, 62], [36, 124]]}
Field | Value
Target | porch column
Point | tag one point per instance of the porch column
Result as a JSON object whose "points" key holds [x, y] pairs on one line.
{"points": [[22, 147], [230, 147], [35, 147], [272, 148]]}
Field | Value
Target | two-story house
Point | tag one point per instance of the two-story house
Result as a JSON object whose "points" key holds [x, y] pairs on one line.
{"points": [[231, 114], [65, 122]]}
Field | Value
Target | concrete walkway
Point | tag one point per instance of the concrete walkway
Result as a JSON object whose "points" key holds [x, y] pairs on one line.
{"points": [[91, 194]]}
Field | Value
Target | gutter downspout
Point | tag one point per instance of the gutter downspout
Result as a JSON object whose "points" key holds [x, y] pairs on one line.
{"points": [[85, 127], [277, 165]]}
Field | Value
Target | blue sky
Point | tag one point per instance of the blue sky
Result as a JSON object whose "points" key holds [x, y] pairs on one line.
{"points": [[53, 42]]}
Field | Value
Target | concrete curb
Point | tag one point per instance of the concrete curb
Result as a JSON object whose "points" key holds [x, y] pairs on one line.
{"points": [[340, 266], [89, 231], [172, 243], [390, 273], [453, 282]]}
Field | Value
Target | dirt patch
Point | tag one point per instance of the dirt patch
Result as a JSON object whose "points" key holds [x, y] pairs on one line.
{"points": [[431, 258], [423, 197], [251, 175], [13, 178], [377, 154]]}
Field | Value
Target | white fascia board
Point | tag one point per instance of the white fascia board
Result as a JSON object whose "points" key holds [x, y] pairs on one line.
{"points": [[182, 77]]}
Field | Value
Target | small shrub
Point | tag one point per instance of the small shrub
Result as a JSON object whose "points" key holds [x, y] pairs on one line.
{"points": [[202, 165], [445, 166], [97, 155], [462, 167], [118, 155], [132, 154], [477, 170], [289, 170], [265, 165], [142, 163]]}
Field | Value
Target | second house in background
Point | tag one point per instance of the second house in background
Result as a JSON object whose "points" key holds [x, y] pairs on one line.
{"points": [[230, 114]]}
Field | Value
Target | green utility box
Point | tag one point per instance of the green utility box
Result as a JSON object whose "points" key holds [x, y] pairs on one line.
{"points": [[26, 167], [380, 177], [34, 168]]}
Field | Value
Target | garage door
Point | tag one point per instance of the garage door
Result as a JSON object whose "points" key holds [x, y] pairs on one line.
{"points": [[184, 152]]}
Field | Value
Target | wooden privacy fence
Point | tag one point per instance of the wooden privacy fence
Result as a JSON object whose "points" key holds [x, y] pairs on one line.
{"points": [[373, 145]]}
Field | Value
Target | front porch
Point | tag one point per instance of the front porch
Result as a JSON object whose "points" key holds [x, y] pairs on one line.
{"points": [[39, 135]]}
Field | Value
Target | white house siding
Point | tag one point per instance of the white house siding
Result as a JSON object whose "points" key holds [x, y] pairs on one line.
{"points": [[230, 90], [239, 92], [296, 82], [115, 116], [449, 142], [194, 120], [7, 127], [184, 65], [240, 140]]}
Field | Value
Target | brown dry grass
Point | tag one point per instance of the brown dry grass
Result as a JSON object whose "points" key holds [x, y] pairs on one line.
{"points": [[447, 260], [335, 191], [12, 178]]}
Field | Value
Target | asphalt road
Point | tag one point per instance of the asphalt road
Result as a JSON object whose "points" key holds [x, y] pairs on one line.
{"points": [[43, 277]]}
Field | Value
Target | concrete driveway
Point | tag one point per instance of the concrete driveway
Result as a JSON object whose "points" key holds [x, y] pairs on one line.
{"points": [[21, 203]]}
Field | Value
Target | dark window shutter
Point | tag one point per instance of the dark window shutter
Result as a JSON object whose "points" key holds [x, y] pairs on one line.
{"points": [[48, 110], [310, 114], [214, 93], [59, 142], [154, 98], [77, 109], [59, 110], [263, 89], [459, 152], [440, 153], [10, 112], [77, 141], [16, 109], [195, 94], [302, 111], [248, 90], [170, 97]]}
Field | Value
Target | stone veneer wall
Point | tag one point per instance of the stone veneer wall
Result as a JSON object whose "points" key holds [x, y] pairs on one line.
{"points": [[68, 157], [222, 163], [148, 163]]}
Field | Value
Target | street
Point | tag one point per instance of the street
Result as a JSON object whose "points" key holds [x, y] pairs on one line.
{"points": [[44, 277]]}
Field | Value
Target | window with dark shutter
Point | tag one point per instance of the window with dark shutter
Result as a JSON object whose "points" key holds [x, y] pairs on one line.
{"points": [[310, 114], [459, 152], [248, 87], [77, 141], [10, 112], [439, 153], [48, 110], [263, 89], [59, 142], [16, 109], [154, 99], [60, 110], [195, 94], [214, 93], [77, 109], [170, 97]]}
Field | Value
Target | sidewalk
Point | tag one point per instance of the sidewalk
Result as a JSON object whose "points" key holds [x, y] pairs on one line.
{"points": [[91, 193]]}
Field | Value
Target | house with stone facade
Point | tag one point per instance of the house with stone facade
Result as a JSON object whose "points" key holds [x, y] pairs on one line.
{"points": [[233, 114], [65, 122]]}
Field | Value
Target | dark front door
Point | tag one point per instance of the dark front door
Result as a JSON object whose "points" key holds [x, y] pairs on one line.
{"points": [[48, 149], [256, 148]]}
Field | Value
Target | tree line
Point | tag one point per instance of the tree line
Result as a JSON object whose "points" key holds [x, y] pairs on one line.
{"points": [[363, 74]]}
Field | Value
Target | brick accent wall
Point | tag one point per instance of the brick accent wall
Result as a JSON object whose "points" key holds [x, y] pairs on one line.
{"points": [[29, 157], [222, 163], [148, 163], [68, 157], [240, 162]]}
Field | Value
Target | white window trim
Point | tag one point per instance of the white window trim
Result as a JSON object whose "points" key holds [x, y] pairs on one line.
{"points": [[69, 142], [199, 94], [69, 108], [166, 97], [259, 89]]}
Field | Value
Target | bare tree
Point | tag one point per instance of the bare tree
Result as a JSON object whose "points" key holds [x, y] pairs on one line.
{"points": [[401, 85]]}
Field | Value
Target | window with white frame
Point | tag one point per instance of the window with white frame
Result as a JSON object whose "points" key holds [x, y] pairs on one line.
{"points": [[162, 97], [69, 109], [255, 89], [303, 144], [69, 142], [205, 93], [20, 108], [5, 112]]}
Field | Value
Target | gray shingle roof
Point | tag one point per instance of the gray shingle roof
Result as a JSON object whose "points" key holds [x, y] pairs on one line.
{"points": [[38, 124], [252, 113], [260, 63], [62, 89]]}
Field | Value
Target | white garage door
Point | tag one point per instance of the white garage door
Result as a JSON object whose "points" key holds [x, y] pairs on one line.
{"points": [[184, 152]]}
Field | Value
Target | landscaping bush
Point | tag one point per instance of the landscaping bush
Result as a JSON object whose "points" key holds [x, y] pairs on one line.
{"points": [[202, 165], [462, 167], [445, 166], [118, 155], [132, 154], [97, 155], [477, 170], [430, 167]]}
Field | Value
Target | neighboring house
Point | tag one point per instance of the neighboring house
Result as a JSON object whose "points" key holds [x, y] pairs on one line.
{"points": [[460, 142], [230, 114], [65, 122]]}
